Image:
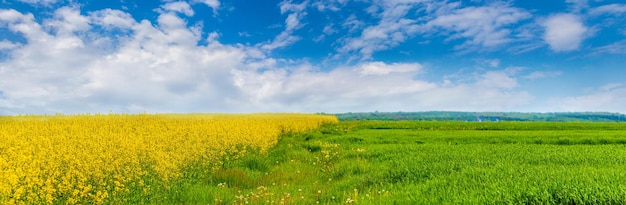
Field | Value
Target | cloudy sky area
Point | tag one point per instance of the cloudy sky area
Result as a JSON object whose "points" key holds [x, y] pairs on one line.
{"points": [[312, 56]]}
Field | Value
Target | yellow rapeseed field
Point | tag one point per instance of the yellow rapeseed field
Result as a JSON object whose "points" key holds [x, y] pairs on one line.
{"points": [[94, 158]]}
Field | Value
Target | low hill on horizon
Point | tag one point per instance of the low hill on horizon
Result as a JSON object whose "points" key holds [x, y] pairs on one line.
{"points": [[487, 116]]}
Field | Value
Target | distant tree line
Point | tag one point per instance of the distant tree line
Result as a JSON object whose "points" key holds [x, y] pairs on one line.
{"points": [[487, 116]]}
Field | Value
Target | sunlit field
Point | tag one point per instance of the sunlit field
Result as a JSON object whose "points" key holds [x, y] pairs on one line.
{"points": [[96, 159], [412, 162], [306, 159]]}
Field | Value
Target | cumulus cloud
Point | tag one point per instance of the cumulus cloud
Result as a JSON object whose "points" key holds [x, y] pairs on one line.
{"points": [[110, 18], [380, 68], [178, 6], [68, 20], [8, 45], [301, 87], [564, 32], [184, 7], [376, 86], [65, 66], [155, 68], [214, 4]]}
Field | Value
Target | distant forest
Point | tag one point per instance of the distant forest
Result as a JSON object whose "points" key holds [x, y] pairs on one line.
{"points": [[487, 116]]}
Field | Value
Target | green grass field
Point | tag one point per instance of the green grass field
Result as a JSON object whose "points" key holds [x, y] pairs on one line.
{"points": [[410, 162]]}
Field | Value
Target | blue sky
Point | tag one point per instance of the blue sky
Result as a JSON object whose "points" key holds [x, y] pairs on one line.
{"points": [[312, 56]]}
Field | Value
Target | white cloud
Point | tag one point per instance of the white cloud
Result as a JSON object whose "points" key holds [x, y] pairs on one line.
{"points": [[43, 2], [110, 18], [611, 86], [244, 34], [609, 98], [293, 22], [543, 74], [392, 29], [155, 68], [214, 4], [328, 5], [352, 23], [577, 5], [178, 6], [494, 63], [68, 20], [614, 48], [45, 59], [386, 87], [8, 45], [497, 79], [564, 32], [288, 6], [380, 37], [484, 27], [21, 23], [160, 67], [328, 29], [612, 9], [297, 12], [184, 7], [474, 99], [380, 68], [284, 39], [11, 15]]}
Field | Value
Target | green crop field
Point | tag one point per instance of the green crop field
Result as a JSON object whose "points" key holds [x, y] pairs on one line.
{"points": [[410, 162]]}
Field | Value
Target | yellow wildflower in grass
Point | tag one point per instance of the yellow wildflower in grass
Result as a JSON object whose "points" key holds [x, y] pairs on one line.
{"points": [[96, 158]]}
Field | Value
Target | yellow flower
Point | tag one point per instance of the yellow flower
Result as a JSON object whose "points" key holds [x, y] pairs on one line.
{"points": [[89, 158]]}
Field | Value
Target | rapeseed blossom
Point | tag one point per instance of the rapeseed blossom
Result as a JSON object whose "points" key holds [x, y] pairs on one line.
{"points": [[96, 158]]}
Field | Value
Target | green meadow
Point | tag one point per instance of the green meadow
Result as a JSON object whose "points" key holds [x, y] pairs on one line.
{"points": [[413, 162]]}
